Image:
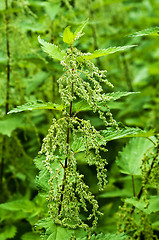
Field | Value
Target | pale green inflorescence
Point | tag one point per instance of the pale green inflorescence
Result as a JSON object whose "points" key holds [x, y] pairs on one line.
{"points": [[68, 193]]}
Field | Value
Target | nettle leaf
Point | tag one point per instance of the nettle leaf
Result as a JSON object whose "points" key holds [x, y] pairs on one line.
{"points": [[152, 207], [78, 145], [117, 95], [108, 236], [9, 124], [30, 236], [18, 205], [104, 52], [130, 159], [111, 134], [154, 31], [51, 49], [8, 232], [56, 232], [81, 106], [84, 106], [68, 36], [78, 33], [37, 105]]}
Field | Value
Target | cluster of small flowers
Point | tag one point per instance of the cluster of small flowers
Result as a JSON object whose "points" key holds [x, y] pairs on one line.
{"points": [[75, 192], [68, 192], [82, 74], [93, 142]]}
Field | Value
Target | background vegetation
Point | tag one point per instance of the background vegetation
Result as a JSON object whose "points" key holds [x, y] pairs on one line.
{"points": [[28, 75]]}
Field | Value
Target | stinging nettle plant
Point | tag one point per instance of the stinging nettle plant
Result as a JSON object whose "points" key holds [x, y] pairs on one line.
{"points": [[81, 87], [68, 194]]}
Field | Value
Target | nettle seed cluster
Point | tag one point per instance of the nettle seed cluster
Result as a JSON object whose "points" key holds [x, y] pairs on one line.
{"points": [[69, 196]]}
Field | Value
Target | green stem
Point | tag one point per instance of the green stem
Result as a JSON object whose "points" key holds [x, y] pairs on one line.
{"points": [[8, 57], [127, 74], [94, 33], [7, 88], [66, 160]]}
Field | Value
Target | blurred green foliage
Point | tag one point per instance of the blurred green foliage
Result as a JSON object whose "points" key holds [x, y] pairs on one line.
{"points": [[28, 75]]}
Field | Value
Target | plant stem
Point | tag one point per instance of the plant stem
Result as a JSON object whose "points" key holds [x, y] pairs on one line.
{"points": [[127, 74], [148, 173], [8, 57], [7, 88], [66, 160]]}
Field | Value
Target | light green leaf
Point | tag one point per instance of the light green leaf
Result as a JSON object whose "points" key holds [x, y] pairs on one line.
{"points": [[8, 232], [78, 32], [108, 236], [37, 105], [84, 106], [153, 205], [18, 205], [154, 31], [30, 236], [111, 134], [68, 36], [117, 95], [115, 193], [81, 106], [104, 52], [77, 145], [57, 232], [130, 159], [51, 49], [9, 124]]}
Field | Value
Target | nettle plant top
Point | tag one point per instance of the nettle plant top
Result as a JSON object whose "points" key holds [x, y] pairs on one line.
{"points": [[68, 195]]}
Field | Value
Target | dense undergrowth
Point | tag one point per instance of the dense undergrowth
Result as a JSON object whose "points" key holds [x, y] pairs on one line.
{"points": [[79, 147]]}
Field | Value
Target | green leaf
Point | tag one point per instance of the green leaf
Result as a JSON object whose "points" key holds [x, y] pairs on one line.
{"points": [[81, 106], [30, 236], [111, 134], [130, 159], [51, 49], [78, 32], [84, 106], [77, 145], [104, 52], [115, 193], [117, 95], [9, 232], [108, 236], [152, 207], [37, 105], [68, 36], [18, 205], [57, 232], [154, 31], [9, 124]]}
